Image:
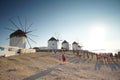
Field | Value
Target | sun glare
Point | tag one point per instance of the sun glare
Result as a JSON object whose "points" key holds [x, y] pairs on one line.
{"points": [[97, 37], [97, 33]]}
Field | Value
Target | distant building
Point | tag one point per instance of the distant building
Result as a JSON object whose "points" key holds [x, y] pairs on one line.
{"points": [[52, 44], [76, 46], [65, 45], [18, 39]]}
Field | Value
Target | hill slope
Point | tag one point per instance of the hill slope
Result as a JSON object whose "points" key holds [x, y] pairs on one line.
{"points": [[46, 66]]}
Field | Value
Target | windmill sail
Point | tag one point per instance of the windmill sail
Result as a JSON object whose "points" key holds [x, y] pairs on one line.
{"points": [[20, 23], [20, 36]]}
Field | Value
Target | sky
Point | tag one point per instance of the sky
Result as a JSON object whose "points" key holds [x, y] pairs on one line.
{"points": [[94, 24]]}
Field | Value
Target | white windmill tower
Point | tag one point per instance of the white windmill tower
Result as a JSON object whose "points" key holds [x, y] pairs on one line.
{"points": [[52, 44], [57, 36], [19, 37], [65, 45], [74, 45]]}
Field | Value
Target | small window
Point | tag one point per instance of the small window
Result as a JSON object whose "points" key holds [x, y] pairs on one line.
{"points": [[1, 48], [10, 49]]}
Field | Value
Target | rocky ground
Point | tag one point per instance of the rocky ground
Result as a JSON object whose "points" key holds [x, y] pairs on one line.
{"points": [[46, 66]]}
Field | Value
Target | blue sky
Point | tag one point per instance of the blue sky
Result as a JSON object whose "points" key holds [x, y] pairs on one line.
{"points": [[95, 24]]}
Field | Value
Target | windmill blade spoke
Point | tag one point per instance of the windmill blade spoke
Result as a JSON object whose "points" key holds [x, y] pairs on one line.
{"points": [[9, 29], [7, 38], [28, 32], [33, 35], [29, 26], [31, 31], [57, 36], [32, 40], [25, 24], [14, 23], [20, 23], [29, 43], [34, 30]]}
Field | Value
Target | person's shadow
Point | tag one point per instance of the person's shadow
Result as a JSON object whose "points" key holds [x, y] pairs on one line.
{"points": [[98, 65], [112, 65]]}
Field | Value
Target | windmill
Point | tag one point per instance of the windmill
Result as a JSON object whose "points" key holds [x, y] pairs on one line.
{"points": [[19, 37], [57, 36], [80, 45]]}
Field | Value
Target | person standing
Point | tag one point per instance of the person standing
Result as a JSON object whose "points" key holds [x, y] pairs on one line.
{"points": [[63, 58]]}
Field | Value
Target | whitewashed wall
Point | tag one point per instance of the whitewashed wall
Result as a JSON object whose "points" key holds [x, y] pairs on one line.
{"points": [[24, 51], [9, 51], [52, 45], [18, 42]]}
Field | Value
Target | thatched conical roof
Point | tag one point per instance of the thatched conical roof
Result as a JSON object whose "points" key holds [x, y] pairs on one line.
{"points": [[74, 42], [64, 42], [18, 33], [52, 39]]}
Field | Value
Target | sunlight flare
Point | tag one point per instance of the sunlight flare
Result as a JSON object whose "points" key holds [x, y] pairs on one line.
{"points": [[97, 37]]}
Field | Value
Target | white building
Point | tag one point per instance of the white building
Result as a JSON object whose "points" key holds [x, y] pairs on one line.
{"points": [[52, 44], [18, 39], [8, 51], [75, 46], [65, 45]]}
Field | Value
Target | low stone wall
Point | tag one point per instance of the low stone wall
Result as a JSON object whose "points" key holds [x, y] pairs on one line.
{"points": [[25, 51], [7, 51]]}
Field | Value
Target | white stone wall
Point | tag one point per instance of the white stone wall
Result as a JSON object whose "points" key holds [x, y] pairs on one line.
{"points": [[18, 42], [9, 51], [52, 45], [24, 51]]}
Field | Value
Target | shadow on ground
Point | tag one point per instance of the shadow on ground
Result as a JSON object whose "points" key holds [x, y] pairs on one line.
{"points": [[41, 74], [112, 65]]}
